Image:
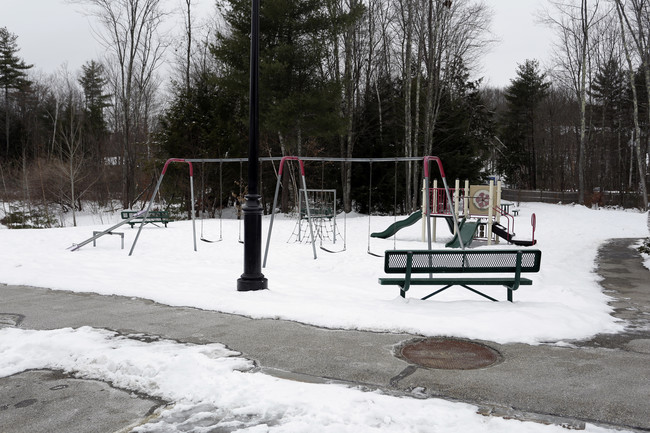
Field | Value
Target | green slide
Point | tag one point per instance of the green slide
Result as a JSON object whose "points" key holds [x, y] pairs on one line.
{"points": [[399, 225], [450, 223], [467, 231]]}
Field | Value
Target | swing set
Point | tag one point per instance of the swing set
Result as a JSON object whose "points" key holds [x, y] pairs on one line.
{"points": [[303, 193], [308, 210]]}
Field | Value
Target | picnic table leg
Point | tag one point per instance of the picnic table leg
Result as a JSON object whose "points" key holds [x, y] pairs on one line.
{"points": [[436, 292]]}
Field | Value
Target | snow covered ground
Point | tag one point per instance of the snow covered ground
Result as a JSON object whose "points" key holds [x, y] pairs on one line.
{"points": [[337, 290]]}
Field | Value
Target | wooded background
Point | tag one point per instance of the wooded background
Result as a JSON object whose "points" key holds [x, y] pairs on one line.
{"points": [[346, 78]]}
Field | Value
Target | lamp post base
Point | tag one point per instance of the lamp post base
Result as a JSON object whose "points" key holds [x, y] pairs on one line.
{"points": [[247, 284], [252, 278]]}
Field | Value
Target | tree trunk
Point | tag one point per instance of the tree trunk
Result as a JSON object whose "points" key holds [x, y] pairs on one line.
{"points": [[350, 87], [583, 105], [637, 129], [72, 189], [408, 83], [7, 120], [26, 193], [188, 53]]}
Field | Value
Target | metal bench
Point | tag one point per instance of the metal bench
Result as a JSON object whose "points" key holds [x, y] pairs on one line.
{"points": [[155, 216], [480, 261]]}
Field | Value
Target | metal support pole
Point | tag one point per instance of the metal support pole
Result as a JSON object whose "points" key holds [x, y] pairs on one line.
{"points": [[428, 208], [252, 278], [311, 227], [275, 203], [449, 199], [334, 217], [153, 195], [193, 217], [490, 213]]}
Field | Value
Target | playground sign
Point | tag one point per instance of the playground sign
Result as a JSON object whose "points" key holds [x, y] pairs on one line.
{"points": [[479, 203]]}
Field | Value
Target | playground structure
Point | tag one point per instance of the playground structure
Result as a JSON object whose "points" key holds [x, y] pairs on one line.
{"points": [[439, 202], [304, 190], [478, 209], [321, 204], [144, 214], [484, 215], [398, 225]]}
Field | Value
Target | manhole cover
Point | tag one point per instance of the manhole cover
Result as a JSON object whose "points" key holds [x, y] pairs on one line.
{"points": [[449, 354]]}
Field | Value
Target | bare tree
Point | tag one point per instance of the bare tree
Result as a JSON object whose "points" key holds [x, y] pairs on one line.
{"points": [[434, 36], [574, 23], [71, 147], [411, 42], [628, 29], [407, 18], [608, 96], [190, 50], [69, 141], [345, 65], [351, 79], [130, 35], [639, 31], [188, 46]]}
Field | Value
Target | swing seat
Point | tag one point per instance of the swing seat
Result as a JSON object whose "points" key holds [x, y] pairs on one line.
{"points": [[155, 216]]}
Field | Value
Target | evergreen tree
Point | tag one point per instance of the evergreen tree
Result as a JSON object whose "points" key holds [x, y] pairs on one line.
{"points": [[297, 102], [199, 123], [519, 133], [464, 129], [93, 83], [202, 122], [95, 128], [609, 91], [12, 75]]}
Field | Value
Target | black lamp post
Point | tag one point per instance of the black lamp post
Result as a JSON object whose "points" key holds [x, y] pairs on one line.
{"points": [[252, 278]]}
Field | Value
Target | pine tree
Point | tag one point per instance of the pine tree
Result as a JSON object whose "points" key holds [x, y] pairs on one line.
{"points": [[297, 102], [610, 92], [465, 127], [12, 74], [199, 122], [93, 82], [95, 129], [523, 97]]}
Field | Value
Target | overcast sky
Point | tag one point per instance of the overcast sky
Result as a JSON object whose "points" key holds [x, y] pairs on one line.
{"points": [[53, 32]]}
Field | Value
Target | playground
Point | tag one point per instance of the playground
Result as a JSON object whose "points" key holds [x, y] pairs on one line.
{"points": [[484, 215], [192, 284], [564, 306]]}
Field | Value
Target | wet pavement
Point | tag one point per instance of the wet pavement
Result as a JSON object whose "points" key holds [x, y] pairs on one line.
{"points": [[605, 380], [43, 401]]}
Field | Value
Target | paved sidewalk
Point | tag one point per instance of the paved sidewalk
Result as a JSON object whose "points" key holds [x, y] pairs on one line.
{"points": [[605, 380]]}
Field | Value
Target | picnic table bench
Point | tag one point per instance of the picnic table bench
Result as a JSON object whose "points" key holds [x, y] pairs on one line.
{"points": [[155, 216], [479, 261]]}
